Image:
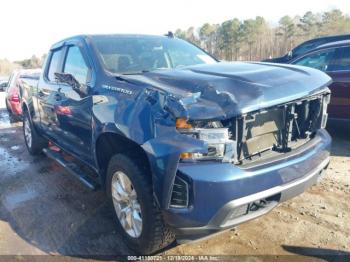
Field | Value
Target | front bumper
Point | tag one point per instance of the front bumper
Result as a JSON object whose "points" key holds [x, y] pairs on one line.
{"points": [[223, 194]]}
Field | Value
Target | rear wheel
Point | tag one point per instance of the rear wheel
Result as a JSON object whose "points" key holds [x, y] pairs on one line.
{"points": [[34, 142], [137, 215], [8, 108]]}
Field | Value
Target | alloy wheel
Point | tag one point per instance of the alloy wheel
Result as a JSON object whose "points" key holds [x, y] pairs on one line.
{"points": [[126, 205]]}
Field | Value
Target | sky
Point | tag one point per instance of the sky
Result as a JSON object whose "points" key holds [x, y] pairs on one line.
{"points": [[29, 27]]}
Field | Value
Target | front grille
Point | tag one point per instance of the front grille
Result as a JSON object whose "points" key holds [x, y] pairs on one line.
{"points": [[180, 193], [261, 205], [276, 129]]}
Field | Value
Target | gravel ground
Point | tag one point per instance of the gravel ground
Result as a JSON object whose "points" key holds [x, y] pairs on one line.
{"points": [[45, 211]]}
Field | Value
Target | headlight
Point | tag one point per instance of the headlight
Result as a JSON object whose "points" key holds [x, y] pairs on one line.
{"points": [[325, 102], [213, 135]]}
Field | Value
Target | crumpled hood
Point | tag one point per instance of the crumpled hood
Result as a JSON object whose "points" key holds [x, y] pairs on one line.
{"points": [[224, 90]]}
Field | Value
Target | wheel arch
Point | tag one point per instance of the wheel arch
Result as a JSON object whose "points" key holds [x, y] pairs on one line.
{"points": [[109, 144], [25, 107]]}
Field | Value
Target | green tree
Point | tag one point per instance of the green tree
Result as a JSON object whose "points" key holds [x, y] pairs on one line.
{"points": [[255, 39], [229, 38], [287, 30], [192, 36], [335, 22], [249, 33], [33, 62], [310, 25], [180, 34], [207, 34], [6, 67]]}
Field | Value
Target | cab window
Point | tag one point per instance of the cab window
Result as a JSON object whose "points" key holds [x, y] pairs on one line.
{"points": [[320, 60], [54, 64], [341, 61], [76, 65]]}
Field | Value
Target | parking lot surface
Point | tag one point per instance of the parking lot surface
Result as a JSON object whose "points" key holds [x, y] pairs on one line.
{"points": [[43, 210]]}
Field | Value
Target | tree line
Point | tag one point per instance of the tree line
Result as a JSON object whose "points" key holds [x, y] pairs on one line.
{"points": [[251, 39], [6, 67], [255, 39]]}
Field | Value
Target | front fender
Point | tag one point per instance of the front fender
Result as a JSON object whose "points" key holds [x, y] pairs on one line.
{"points": [[144, 120], [164, 154]]}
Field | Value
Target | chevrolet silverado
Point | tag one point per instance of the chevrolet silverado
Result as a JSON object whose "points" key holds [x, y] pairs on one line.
{"points": [[184, 145]]}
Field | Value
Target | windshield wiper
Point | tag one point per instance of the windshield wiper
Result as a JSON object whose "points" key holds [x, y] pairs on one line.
{"points": [[123, 76], [120, 77], [136, 72]]}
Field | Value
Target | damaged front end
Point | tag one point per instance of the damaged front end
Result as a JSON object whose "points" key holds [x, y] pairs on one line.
{"points": [[258, 135], [224, 142], [259, 158]]}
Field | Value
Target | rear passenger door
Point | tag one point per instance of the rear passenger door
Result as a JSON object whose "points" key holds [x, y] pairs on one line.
{"points": [[339, 70], [73, 107]]}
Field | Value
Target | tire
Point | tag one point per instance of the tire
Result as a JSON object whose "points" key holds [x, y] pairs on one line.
{"points": [[154, 235], [34, 142]]}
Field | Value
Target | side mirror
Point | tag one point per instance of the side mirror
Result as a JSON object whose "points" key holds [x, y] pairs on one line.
{"points": [[290, 53], [68, 79]]}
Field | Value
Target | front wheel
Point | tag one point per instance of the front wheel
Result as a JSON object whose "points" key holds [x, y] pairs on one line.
{"points": [[34, 142], [137, 216]]}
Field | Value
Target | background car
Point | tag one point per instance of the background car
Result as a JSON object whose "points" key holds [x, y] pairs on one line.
{"points": [[13, 101], [333, 59], [3, 85], [307, 46], [12, 95]]}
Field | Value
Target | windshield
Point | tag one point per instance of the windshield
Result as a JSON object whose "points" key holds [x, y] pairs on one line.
{"points": [[134, 54]]}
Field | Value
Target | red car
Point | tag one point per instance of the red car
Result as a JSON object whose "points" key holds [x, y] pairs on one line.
{"points": [[13, 100], [333, 59], [13, 104]]}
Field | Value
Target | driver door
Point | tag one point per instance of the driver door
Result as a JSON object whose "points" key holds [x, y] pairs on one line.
{"points": [[74, 107]]}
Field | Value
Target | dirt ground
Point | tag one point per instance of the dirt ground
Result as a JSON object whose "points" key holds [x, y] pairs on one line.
{"points": [[43, 210]]}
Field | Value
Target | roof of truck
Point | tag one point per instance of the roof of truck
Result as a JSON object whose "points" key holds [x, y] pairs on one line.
{"points": [[87, 36]]}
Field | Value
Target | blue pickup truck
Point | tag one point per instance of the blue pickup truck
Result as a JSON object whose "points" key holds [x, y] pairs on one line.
{"points": [[184, 145]]}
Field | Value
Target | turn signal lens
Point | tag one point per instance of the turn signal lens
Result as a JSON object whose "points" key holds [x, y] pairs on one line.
{"points": [[186, 155], [182, 123]]}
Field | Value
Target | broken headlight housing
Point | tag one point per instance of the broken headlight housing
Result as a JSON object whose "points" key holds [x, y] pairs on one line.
{"points": [[212, 133], [325, 102]]}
